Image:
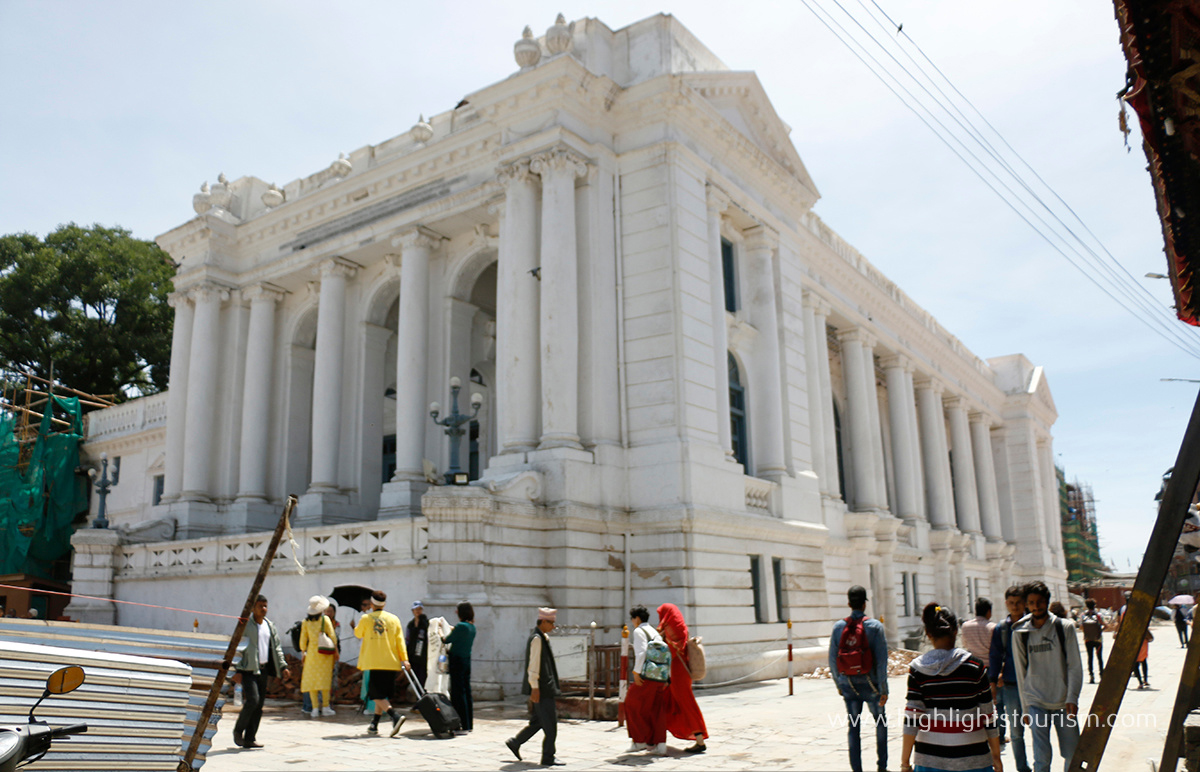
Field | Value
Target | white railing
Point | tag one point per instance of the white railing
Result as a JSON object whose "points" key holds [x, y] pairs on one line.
{"points": [[128, 417], [373, 543], [760, 495]]}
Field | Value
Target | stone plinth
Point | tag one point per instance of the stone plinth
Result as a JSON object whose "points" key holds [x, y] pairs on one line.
{"points": [[92, 567]]}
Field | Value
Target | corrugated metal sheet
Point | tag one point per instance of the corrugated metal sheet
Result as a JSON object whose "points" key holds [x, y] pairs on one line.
{"points": [[203, 652], [135, 707]]}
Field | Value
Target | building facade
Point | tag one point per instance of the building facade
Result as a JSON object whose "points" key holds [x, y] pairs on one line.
{"points": [[691, 388]]}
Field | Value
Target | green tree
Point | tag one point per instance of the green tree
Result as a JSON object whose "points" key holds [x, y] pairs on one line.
{"points": [[87, 306]]}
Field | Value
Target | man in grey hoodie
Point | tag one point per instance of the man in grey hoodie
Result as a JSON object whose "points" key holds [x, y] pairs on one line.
{"points": [[1049, 677]]}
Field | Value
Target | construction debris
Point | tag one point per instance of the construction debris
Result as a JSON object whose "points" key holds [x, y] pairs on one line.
{"points": [[898, 662]]}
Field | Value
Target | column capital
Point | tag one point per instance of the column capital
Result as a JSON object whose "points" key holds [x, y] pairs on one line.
{"points": [[956, 402], [761, 238], [178, 299], [927, 383], [559, 160], [208, 292], [515, 172], [855, 335], [416, 237], [977, 417], [263, 292], [337, 266], [718, 200], [896, 360], [817, 303]]}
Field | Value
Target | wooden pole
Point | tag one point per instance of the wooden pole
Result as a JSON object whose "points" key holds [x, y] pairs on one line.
{"points": [[791, 688], [1114, 678], [1183, 705], [185, 765]]}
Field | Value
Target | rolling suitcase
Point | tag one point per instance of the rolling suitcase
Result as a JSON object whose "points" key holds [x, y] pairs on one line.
{"points": [[436, 710]]}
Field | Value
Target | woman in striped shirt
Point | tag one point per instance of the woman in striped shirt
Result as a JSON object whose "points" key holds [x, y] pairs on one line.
{"points": [[949, 719]]}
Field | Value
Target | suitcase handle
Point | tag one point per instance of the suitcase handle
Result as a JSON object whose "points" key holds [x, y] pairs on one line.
{"points": [[417, 687]]}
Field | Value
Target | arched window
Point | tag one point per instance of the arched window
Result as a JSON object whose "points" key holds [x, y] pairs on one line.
{"points": [[737, 415]]}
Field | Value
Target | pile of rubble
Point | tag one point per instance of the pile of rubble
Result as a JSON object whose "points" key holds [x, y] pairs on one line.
{"points": [[898, 661]]}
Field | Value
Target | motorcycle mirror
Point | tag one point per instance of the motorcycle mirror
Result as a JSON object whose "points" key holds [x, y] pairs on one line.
{"points": [[61, 681], [65, 680]]}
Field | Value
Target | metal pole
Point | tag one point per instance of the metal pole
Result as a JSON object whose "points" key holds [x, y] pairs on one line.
{"points": [[790, 665], [185, 765], [1183, 704], [592, 672], [624, 682], [1114, 678]]}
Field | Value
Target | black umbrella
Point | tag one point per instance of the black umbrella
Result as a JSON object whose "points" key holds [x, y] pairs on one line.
{"points": [[350, 595]]}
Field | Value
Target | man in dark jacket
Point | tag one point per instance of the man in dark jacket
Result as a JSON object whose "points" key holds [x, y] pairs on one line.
{"points": [[540, 682], [416, 639], [1002, 672], [262, 657]]}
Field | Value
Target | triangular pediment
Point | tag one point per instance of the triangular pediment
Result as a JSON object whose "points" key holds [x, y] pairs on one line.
{"points": [[740, 99], [1040, 389]]}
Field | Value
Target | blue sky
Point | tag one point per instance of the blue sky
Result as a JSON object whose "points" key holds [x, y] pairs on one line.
{"points": [[116, 112]]}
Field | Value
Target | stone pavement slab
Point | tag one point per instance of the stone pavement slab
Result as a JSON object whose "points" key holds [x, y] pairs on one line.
{"points": [[752, 727]]}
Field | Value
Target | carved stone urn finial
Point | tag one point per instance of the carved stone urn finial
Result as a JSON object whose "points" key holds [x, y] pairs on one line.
{"points": [[200, 201], [422, 132], [220, 195], [273, 197], [341, 167], [558, 37], [526, 50]]}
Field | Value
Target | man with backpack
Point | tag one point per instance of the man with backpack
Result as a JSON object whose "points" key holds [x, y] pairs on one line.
{"points": [[858, 658], [1049, 676], [645, 717], [1092, 625]]}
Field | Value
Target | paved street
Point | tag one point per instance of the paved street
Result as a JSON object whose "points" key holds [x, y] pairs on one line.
{"points": [[753, 727]]}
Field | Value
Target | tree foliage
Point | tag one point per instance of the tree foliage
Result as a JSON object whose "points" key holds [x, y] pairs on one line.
{"points": [[88, 307]]}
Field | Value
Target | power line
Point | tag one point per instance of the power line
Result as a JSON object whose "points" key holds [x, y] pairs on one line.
{"points": [[1153, 315]]}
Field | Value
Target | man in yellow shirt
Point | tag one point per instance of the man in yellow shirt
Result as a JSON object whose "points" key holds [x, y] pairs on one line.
{"points": [[382, 655]]}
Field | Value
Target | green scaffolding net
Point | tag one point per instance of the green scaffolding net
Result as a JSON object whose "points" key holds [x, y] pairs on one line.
{"points": [[40, 498]]}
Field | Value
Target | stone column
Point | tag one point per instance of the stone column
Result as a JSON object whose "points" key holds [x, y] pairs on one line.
{"points": [[517, 359], [876, 426], [934, 453], [914, 437], [327, 375], [866, 493], [718, 202], [821, 311], [1052, 507], [985, 478], [766, 398], [816, 421], [902, 456], [202, 391], [559, 332], [181, 347], [257, 396], [412, 352], [966, 492]]}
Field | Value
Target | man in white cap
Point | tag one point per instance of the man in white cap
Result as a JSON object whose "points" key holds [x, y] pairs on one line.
{"points": [[541, 684], [416, 639]]}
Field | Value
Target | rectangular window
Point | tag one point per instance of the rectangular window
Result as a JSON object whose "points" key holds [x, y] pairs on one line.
{"points": [[780, 596], [159, 482], [756, 586], [730, 273], [916, 596], [907, 597]]}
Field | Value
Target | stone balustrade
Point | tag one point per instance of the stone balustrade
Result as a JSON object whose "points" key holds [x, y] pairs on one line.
{"points": [[354, 545], [761, 496], [127, 418]]}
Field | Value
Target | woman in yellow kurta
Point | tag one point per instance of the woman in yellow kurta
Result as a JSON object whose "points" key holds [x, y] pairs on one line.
{"points": [[318, 667]]}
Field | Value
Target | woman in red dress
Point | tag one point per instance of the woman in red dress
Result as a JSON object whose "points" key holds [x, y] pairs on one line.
{"points": [[684, 719]]}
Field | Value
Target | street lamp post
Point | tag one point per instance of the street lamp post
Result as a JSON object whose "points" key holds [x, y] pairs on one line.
{"points": [[102, 487], [454, 423]]}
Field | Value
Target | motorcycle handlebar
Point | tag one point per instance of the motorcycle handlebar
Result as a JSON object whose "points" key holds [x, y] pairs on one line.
{"points": [[64, 731]]}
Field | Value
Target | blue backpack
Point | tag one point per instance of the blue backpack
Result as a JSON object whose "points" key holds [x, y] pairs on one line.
{"points": [[657, 664]]}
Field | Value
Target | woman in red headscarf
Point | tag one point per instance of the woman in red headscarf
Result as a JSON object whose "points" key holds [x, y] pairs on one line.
{"points": [[684, 719]]}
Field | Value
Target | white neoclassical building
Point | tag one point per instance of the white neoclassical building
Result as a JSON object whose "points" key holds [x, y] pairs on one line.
{"points": [[692, 390]]}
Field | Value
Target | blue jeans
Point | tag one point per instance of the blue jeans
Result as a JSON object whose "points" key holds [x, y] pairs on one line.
{"points": [[1067, 728], [1008, 700], [854, 706]]}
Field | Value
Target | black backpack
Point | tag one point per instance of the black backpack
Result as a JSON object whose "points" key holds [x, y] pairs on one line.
{"points": [[294, 631]]}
